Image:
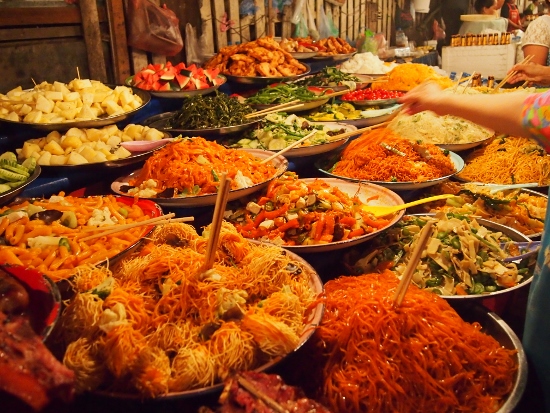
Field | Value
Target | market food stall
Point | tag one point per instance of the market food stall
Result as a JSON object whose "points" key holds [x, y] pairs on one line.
{"points": [[203, 222]]}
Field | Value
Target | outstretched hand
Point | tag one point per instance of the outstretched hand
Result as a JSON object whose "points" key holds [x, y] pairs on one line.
{"points": [[426, 96], [532, 73]]}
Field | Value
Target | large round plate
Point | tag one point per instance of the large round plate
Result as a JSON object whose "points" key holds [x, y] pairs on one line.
{"points": [[530, 184], [368, 194], [264, 80], [92, 123], [514, 235], [334, 57], [160, 122], [378, 102], [459, 147], [280, 163], [371, 117], [496, 327], [172, 94], [301, 151], [314, 320], [324, 165], [303, 55], [7, 196], [364, 81], [312, 104], [44, 298], [136, 157]]}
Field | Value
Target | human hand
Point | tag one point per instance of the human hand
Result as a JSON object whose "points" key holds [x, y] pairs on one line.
{"points": [[533, 73], [426, 96]]}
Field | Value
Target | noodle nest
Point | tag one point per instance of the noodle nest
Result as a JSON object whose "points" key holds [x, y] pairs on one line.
{"points": [[158, 323]]}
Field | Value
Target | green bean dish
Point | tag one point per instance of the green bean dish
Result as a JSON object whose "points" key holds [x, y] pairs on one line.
{"points": [[282, 93]]}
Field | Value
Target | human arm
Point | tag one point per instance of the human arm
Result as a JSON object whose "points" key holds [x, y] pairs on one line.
{"points": [[539, 53], [534, 73], [502, 112]]}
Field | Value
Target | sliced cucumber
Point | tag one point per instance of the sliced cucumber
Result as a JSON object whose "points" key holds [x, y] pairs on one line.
{"points": [[30, 164], [4, 188], [14, 184], [14, 167], [8, 156], [11, 176]]}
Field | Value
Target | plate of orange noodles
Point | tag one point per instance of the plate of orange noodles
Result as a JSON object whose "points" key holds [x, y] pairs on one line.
{"points": [[51, 235], [383, 158], [370, 356], [313, 215], [187, 173], [158, 326]]}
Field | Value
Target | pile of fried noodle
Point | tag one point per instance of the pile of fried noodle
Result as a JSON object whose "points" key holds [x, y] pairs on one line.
{"points": [[508, 160], [196, 162], [158, 323], [367, 158], [369, 356]]}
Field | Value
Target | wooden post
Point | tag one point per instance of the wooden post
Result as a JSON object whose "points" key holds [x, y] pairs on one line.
{"points": [[92, 39], [219, 10], [234, 33], [259, 27], [208, 25], [119, 44]]}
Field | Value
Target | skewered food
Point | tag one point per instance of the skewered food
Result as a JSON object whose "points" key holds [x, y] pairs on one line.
{"points": [[81, 99], [262, 57]]}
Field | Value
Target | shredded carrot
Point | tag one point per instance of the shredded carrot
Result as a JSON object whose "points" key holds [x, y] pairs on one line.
{"points": [[369, 356], [366, 159], [193, 167]]}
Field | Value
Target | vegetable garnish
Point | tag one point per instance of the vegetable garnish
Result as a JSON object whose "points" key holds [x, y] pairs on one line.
{"points": [[282, 93], [462, 257]]}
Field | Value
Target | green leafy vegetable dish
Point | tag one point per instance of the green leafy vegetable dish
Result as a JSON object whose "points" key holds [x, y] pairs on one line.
{"points": [[205, 112], [461, 256], [329, 76], [283, 93], [12, 173]]}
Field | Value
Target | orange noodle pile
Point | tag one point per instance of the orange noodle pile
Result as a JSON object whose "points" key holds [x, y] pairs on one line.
{"points": [[368, 158], [158, 323], [193, 166], [420, 357]]}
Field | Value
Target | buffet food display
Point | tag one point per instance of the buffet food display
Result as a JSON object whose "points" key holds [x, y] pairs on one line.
{"points": [[160, 310]]}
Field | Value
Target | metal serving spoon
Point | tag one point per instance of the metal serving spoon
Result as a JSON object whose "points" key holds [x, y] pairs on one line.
{"points": [[530, 248], [142, 146]]}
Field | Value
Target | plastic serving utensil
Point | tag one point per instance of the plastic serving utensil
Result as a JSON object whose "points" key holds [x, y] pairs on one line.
{"points": [[142, 146], [497, 188], [383, 210], [528, 248]]}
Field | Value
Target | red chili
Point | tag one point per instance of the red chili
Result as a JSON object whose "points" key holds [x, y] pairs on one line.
{"points": [[372, 94]]}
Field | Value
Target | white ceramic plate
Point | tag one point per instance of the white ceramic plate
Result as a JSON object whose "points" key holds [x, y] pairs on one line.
{"points": [[324, 165], [369, 194], [313, 321], [303, 55], [280, 163], [459, 147]]}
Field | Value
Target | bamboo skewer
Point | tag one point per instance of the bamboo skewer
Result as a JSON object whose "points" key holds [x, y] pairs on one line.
{"points": [[411, 266], [289, 147], [470, 80], [271, 109], [164, 219], [248, 386], [217, 219], [458, 82], [511, 74], [17, 102]]}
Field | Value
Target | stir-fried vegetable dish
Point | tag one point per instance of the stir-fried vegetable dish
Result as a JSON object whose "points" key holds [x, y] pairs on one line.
{"points": [[293, 212], [279, 130], [283, 93], [517, 209], [329, 76], [461, 256], [203, 112]]}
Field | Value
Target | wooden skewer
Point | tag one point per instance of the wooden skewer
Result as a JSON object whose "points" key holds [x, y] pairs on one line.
{"points": [[248, 386], [217, 219], [469, 83], [271, 109], [280, 109], [511, 74], [289, 147], [164, 219], [458, 82], [77, 72], [358, 131], [411, 266], [33, 81], [17, 102]]}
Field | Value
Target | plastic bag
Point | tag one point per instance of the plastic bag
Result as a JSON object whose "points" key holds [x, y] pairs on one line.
{"points": [[247, 8], [297, 14], [313, 32], [153, 28], [196, 50], [301, 29], [326, 25]]}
